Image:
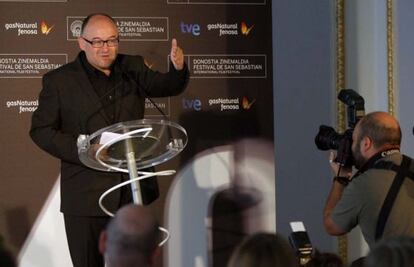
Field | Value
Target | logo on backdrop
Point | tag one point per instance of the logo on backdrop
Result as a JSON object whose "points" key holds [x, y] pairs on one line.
{"points": [[245, 30], [194, 104], [246, 103], [75, 28], [231, 104], [227, 66], [148, 63], [233, 29], [130, 28], [44, 28], [28, 28], [29, 65], [193, 29], [163, 104], [225, 104], [22, 106]]}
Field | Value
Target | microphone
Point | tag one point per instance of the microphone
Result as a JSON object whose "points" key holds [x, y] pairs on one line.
{"points": [[144, 93], [84, 123], [81, 141]]}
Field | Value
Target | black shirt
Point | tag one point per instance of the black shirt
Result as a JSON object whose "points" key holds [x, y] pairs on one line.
{"points": [[104, 86]]}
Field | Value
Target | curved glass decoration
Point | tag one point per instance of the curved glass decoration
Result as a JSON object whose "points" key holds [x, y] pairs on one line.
{"points": [[151, 141]]}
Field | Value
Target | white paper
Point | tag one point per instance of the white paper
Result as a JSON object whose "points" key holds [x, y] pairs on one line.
{"points": [[107, 137], [297, 227]]}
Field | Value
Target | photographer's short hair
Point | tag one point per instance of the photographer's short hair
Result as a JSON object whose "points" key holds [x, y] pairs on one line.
{"points": [[393, 252], [132, 237], [263, 250], [325, 259], [381, 132]]}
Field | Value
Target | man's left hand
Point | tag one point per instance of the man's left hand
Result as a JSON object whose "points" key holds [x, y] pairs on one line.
{"points": [[176, 55]]}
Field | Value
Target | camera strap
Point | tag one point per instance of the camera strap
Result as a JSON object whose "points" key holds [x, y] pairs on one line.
{"points": [[402, 171], [370, 164]]}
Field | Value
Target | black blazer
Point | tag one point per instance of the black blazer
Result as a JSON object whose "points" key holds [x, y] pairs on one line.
{"points": [[69, 106]]}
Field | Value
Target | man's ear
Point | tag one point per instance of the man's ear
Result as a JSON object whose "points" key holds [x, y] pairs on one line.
{"points": [[81, 43], [367, 143], [102, 242]]}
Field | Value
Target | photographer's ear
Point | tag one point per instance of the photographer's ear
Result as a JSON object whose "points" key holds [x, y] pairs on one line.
{"points": [[367, 144], [103, 238]]}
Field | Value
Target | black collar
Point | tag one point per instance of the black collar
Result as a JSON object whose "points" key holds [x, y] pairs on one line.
{"points": [[91, 70]]}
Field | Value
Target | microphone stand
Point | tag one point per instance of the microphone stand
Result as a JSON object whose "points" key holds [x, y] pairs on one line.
{"points": [[133, 172]]}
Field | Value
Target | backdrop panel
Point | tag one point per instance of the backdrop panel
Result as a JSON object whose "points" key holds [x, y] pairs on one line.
{"points": [[228, 106]]}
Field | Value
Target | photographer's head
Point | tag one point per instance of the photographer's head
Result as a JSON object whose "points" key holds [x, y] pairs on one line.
{"points": [[375, 132], [264, 250], [131, 238], [395, 251]]}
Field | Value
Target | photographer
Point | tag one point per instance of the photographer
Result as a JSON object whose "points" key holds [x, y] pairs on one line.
{"points": [[365, 199]]}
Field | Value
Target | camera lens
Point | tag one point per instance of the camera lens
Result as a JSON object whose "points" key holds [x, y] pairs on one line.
{"points": [[327, 138]]}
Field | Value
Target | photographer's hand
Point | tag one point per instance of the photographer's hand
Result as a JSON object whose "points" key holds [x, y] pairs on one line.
{"points": [[334, 196], [337, 169]]}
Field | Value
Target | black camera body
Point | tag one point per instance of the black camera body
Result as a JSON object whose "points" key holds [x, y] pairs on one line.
{"points": [[327, 138]]}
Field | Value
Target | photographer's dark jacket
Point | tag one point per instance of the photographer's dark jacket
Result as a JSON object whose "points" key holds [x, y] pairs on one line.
{"points": [[70, 106], [363, 198]]}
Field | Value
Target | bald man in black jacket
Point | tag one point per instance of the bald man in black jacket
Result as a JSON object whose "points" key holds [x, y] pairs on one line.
{"points": [[98, 89]]}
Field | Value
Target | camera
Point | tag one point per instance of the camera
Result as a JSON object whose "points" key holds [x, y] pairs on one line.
{"points": [[327, 138]]}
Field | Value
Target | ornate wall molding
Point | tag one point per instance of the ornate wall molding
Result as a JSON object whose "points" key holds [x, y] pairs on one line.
{"points": [[340, 80], [340, 84], [390, 57]]}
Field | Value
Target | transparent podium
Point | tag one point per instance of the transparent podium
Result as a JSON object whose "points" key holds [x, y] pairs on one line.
{"points": [[130, 147]]}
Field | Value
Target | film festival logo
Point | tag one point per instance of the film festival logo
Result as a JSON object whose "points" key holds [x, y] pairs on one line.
{"points": [[29, 29], [29, 65], [130, 28], [226, 66], [232, 29], [76, 27]]}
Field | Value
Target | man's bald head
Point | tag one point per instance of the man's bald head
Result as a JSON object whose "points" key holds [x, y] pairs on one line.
{"points": [[382, 128], [99, 40], [95, 16], [131, 237], [134, 219]]}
